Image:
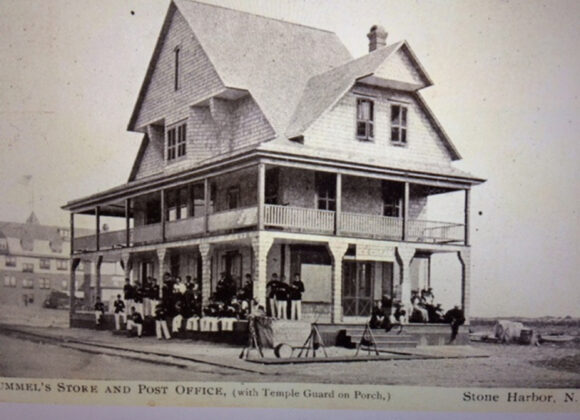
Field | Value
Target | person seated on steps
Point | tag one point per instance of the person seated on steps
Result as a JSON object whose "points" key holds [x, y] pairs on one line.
{"points": [[135, 321], [99, 312]]}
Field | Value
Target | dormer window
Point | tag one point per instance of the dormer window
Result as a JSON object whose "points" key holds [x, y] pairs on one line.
{"points": [[364, 119], [399, 124], [176, 145]]}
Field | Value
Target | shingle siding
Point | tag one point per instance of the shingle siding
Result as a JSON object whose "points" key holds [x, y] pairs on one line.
{"points": [[336, 129], [198, 78]]}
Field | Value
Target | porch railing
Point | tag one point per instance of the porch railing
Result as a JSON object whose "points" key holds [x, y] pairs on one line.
{"points": [[233, 219], [147, 234], [312, 220], [371, 225], [435, 232], [184, 228], [107, 240]]}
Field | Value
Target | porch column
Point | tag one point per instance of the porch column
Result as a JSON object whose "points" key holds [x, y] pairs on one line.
{"points": [[466, 214], [261, 245], [429, 270], [337, 250], [205, 251], [338, 212], [98, 228], [163, 216], [72, 286], [406, 212], [206, 198], [72, 234], [87, 266], [162, 260], [127, 222], [98, 288], [465, 260], [405, 256], [261, 194]]}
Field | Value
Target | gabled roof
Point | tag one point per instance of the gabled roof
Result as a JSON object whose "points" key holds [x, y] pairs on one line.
{"points": [[323, 91], [272, 59]]}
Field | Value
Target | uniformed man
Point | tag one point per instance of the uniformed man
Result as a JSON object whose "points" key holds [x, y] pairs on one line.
{"points": [[282, 289], [296, 290], [135, 321], [161, 322], [99, 311], [119, 312], [129, 294]]}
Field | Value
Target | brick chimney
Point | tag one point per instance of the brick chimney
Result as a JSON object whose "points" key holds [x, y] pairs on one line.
{"points": [[377, 37]]}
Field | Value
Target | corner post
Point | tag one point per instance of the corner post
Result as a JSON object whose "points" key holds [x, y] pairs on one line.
{"points": [[206, 198], [161, 259], [98, 228], [205, 250], [406, 212], [261, 194], [127, 222], [466, 215], [465, 259], [338, 213], [72, 289], [163, 215], [337, 250], [261, 245], [405, 256]]}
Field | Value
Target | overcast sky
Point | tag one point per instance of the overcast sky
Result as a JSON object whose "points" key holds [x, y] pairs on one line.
{"points": [[506, 91]]}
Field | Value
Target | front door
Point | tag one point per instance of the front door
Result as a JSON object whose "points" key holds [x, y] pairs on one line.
{"points": [[357, 288]]}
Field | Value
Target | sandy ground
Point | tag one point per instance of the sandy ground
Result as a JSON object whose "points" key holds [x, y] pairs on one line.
{"points": [[547, 366]]}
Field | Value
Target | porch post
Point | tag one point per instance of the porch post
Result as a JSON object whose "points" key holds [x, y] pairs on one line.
{"points": [[205, 249], [467, 210], [163, 216], [72, 233], [429, 270], [98, 263], [261, 194], [206, 198], [261, 244], [72, 286], [87, 267], [337, 250], [162, 260], [98, 228], [338, 213], [127, 222], [465, 259], [405, 256], [406, 212]]}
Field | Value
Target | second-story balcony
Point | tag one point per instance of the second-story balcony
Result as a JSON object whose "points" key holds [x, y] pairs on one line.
{"points": [[326, 204]]}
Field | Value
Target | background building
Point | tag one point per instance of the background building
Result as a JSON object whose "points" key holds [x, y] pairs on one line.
{"points": [[35, 260]]}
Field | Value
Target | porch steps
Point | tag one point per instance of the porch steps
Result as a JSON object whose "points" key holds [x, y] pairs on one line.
{"points": [[384, 340]]}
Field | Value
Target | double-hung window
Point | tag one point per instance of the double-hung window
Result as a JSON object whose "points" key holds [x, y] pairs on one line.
{"points": [[44, 283], [176, 142], [399, 124], [44, 263], [326, 191], [392, 199], [365, 119], [177, 204]]}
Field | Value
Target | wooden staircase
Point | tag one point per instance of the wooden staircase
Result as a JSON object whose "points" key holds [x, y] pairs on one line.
{"points": [[384, 340]]}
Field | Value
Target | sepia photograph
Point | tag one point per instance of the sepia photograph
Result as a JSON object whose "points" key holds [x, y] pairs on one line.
{"points": [[329, 204]]}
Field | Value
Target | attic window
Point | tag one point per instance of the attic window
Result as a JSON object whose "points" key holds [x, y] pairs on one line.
{"points": [[176, 68], [364, 119], [176, 145], [399, 124]]}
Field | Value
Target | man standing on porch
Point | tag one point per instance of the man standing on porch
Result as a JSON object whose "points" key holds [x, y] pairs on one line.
{"points": [[296, 290], [272, 286]]}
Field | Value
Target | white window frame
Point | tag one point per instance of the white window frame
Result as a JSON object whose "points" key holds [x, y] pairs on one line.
{"points": [[369, 123], [176, 142], [400, 128]]}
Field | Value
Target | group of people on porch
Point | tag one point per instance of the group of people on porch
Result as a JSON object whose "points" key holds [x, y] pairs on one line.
{"points": [[180, 303], [422, 308]]}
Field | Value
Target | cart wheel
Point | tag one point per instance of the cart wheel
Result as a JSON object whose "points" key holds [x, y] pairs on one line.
{"points": [[283, 351]]}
